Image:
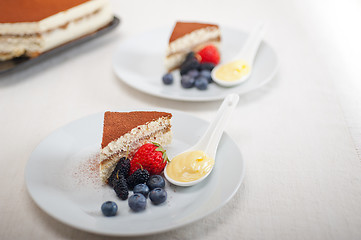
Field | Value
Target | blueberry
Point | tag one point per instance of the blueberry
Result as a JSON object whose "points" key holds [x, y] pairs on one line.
{"points": [[207, 66], [187, 81], [109, 208], [201, 83], [193, 73], [167, 78], [137, 202], [207, 74], [141, 188], [158, 196], [155, 181]]}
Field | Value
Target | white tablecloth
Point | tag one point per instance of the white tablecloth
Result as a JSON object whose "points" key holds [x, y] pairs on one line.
{"points": [[299, 135]]}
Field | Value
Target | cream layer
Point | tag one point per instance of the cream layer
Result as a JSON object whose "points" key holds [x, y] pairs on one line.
{"points": [[190, 40], [32, 45], [158, 131], [53, 21], [175, 60]]}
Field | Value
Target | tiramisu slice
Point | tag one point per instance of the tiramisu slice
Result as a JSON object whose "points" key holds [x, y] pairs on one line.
{"points": [[29, 28], [125, 132], [187, 37]]}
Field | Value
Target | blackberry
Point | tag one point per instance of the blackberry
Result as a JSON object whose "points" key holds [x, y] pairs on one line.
{"points": [[207, 66], [112, 178], [122, 168], [189, 65], [139, 176], [189, 56], [120, 187]]}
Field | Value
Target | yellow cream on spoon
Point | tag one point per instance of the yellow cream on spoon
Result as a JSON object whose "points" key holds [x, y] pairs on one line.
{"points": [[195, 164], [233, 71], [190, 166], [239, 70]]}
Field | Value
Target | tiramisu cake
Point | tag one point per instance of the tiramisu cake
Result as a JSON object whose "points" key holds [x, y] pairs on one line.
{"points": [[31, 27], [125, 132], [187, 37]]}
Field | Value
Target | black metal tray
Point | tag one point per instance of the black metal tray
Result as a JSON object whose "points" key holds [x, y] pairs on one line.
{"points": [[24, 62]]}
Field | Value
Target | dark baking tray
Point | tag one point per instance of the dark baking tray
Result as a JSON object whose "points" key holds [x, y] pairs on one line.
{"points": [[24, 62]]}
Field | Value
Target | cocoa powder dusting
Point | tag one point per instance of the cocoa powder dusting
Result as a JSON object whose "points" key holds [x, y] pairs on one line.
{"points": [[32, 11], [116, 124], [87, 172], [183, 28]]}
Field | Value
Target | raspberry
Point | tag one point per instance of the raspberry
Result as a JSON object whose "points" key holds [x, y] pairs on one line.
{"points": [[209, 54]]}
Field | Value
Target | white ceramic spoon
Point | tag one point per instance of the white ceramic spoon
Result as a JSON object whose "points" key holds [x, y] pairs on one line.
{"points": [[247, 54], [209, 141]]}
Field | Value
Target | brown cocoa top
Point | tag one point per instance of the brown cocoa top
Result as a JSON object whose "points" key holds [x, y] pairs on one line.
{"points": [[116, 124], [13, 11], [182, 28]]}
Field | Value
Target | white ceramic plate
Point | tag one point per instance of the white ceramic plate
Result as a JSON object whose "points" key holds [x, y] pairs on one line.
{"points": [[62, 179], [139, 62]]}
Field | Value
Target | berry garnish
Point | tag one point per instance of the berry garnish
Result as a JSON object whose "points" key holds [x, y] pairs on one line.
{"points": [[142, 188], [137, 202], [139, 176], [207, 74], [188, 65], [158, 196], [201, 83], [156, 181], [207, 66], [189, 56], [187, 81], [109, 208], [194, 65], [151, 157], [122, 168], [193, 73], [209, 54], [120, 187], [168, 79]]}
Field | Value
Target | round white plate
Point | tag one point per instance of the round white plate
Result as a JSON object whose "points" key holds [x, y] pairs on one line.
{"points": [[139, 62], [62, 179]]}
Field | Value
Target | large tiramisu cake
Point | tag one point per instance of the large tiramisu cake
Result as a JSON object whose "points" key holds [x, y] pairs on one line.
{"points": [[125, 132], [187, 37], [31, 27]]}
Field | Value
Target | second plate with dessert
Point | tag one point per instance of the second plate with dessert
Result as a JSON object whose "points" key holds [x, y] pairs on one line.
{"points": [[139, 62], [62, 177]]}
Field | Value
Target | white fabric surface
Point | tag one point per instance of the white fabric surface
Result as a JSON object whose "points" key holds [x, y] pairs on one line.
{"points": [[299, 135]]}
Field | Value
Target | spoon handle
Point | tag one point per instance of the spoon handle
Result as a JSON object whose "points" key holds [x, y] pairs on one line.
{"points": [[209, 141], [250, 48]]}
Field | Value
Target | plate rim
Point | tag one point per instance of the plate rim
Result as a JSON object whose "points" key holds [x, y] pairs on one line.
{"points": [[104, 233], [199, 98]]}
